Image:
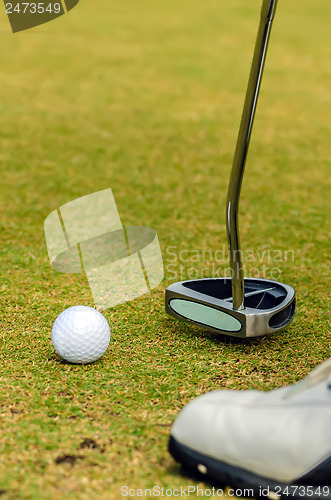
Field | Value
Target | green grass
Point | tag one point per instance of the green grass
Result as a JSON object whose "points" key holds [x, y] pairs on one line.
{"points": [[145, 98]]}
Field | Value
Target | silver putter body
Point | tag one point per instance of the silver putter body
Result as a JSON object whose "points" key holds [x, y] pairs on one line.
{"points": [[237, 306]]}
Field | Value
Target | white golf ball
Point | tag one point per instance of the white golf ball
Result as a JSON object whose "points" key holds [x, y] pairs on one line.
{"points": [[81, 334]]}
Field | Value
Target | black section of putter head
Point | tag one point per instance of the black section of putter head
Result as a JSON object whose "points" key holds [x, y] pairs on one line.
{"points": [[269, 306]]}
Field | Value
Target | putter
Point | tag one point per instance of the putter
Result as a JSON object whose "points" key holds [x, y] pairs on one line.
{"points": [[237, 306]]}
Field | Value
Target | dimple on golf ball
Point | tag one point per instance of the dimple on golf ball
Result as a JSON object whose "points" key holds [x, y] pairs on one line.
{"points": [[81, 334]]}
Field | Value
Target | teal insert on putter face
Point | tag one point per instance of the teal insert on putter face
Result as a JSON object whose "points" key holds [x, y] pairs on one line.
{"points": [[206, 315]]}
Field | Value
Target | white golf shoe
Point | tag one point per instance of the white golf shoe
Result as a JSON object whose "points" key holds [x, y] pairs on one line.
{"points": [[276, 443]]}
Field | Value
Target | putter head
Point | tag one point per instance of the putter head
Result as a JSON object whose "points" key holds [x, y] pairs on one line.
{"points": [[269, 306]]}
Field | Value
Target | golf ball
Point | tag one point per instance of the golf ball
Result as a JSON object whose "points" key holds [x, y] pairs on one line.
{"points": [[81, 334]]}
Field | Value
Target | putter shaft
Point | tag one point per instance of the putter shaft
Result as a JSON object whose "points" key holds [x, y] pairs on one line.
{"points": [[239, 161]]}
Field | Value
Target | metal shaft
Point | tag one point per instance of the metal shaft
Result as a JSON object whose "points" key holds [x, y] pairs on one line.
{"points": [[239, 161]]}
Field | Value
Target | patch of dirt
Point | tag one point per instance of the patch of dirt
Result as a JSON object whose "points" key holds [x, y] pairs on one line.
{"points": [[68, 459], [91, 444]]}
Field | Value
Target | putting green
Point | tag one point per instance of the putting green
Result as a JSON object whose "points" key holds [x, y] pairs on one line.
{"points": [[146, 98]]}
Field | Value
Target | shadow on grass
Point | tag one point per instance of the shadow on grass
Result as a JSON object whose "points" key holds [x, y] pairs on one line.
{"points": [[182, 330], [57, 360]]}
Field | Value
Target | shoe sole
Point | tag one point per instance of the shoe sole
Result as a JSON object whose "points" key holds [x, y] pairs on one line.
{"points": [[241, 479]]}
